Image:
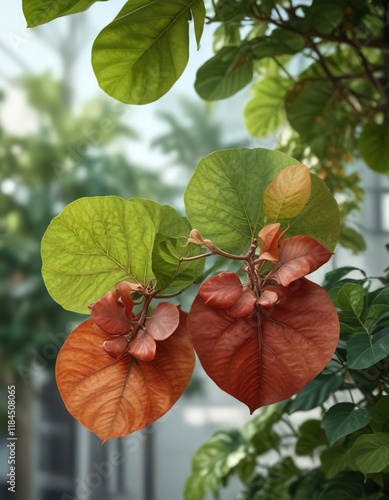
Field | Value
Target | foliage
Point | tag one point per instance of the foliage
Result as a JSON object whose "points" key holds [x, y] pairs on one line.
{"points": [[319, 67], [116, 257], [349, 432]]}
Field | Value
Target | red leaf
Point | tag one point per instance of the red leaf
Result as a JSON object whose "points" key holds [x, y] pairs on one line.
{"points": [[116, 347], [123, 291], [272, 355], [299, 256], [110, 315], [222, 290], [163, 322], [244, 306], [113, 397], [268, 298], [270, 236], [143, 347]]}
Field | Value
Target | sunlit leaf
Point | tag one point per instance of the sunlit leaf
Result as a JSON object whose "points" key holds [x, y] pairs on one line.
{"points": [[144, 50], [224, 199], [299, 256], [269, 356], [43, 11], [286, 196], [93, 244], [115, 397]]}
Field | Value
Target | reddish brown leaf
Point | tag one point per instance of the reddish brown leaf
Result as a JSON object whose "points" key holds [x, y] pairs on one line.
{"points": [[143, 347], [244, 306], [113, 397], [270, 236], [272, 355], [116, 347], [268, 298], [110, 315], [123, 291], [222, 290], [299, 256], [163, 322]]}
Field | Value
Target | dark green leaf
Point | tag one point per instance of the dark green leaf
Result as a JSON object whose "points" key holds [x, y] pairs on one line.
{"points": [[325, 17], [279, 42], [345, 486], [380, 417], [311, 436], [365, 350], [351, 298], [225, 74], [332, 278], [370, 453], [374, 146], [137, 66], [343, 419], [334, 460], [316, 392], [375, 314], [44, 11]]}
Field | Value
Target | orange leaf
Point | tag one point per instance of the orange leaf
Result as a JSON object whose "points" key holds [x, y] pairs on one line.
{"points": [[113, 397], [272, 355], [116, 347], [163, 322], [270, 236], [143, 347], [110, 315]]}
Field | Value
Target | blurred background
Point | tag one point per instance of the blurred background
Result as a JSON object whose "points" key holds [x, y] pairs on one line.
{"points": [[61, 138]]}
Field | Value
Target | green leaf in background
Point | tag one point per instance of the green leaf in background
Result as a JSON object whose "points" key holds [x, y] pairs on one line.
{"points": [[213, 462], [316, 392], [333, 277], [93, 244], [325, 17], [335, 460], [380, 418], [343, 419], [223, 199], [144, 50], [225, 74], [365, 350], [370, 453], [374, 146], [350, 238], [44, 11], [171, 231], [345, 486], [307, 485], [375, 314], [310, 437], [265, 112], [351, 298], [279, 42], [306, 105]]}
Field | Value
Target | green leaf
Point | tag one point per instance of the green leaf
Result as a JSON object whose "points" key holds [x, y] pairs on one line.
{"points": [[307, 105], [307, 485], [213, 462], [335, 460], [365, 350], [259, 430], [225, 74], [344, 418], [279, 42], [333, 277], [93, 244], [44, 11], [370, 453], [380, 417], [137, 66], [311, 436], [171, 231], [324, 17], [351, 298], [224, 199], [345, 486], [316, 392], [265, 111], [374, 314], [350, 238], [374, 146]]}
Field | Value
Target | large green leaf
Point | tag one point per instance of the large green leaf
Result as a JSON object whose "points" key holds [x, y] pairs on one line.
{"points": [[365, 350], [316, 392], [142, 53], [172, 230], [374, 146], [225, 74], [224, 199], [39, 12], [351, 298], [370, 453], [265, 112], [93, 244], [343, 419]]}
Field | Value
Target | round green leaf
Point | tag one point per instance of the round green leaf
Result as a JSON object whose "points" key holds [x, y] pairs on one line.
{"points": [[344, 418], [224, 199], [93, 244], [370, 453], [142, 53], [44, 11], [265, 111], [374, 146], [224, 75]]}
